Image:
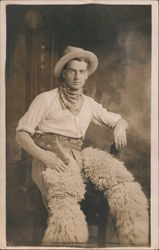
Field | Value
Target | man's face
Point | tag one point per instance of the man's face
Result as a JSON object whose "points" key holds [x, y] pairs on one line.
{"points": [[75, 74]]}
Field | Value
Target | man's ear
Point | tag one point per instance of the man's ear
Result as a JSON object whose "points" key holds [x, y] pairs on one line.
{"points": [[87, 75], [63, 73]]}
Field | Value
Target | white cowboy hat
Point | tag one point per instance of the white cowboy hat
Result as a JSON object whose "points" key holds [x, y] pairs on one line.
{"points": [[74, 52]]}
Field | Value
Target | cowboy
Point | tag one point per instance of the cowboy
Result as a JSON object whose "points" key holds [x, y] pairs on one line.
{"points": [[52, 132]]}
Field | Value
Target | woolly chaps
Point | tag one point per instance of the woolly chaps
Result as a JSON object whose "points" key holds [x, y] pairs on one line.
{"points": [[64, 191]]}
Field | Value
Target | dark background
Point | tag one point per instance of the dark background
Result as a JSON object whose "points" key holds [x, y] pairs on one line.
{"points": [[120, 36]]}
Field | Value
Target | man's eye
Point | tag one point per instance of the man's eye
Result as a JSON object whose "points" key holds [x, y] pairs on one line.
{"points": [[70, 70], [82, 71]]}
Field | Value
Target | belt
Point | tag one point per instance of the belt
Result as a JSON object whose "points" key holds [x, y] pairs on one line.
{"points": [[57, 144]]}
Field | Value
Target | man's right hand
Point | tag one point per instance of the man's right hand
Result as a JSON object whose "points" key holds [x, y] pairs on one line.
{"points": [[25, 140], [53, 162]]}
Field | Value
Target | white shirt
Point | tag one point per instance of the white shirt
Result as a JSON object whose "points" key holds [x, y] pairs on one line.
{"points": [[46, 114]]}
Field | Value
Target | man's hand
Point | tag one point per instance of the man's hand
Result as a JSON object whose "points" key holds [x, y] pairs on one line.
{"points": [[53, 162], [47, 157], [120, 139]]}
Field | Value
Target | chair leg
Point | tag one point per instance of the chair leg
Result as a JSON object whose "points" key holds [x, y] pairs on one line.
{"points": [[103, 216]]}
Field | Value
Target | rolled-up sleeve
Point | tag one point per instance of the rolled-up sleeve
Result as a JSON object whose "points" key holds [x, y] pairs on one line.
{"points": [[101, 116], [34, 115]]}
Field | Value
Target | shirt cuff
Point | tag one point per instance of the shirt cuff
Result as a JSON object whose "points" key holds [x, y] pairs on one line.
{"points": [[26, 129], [117, 118]]}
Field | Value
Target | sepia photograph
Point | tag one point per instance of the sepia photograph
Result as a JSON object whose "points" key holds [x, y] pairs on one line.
{"points": [[79, 125]]}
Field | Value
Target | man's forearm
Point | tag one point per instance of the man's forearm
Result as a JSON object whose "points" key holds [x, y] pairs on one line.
{"points": [[28, 144]]}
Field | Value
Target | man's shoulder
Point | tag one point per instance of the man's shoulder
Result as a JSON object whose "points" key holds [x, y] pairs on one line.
{"points": [[49, 92], [88, 98], [92, 102], [48, 95]]}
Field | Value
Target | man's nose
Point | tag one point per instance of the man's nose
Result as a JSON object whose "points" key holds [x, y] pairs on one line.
{"points": [[77, 75]]}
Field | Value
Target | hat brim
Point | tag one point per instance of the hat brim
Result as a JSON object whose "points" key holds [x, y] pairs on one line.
{"points": [[93, 61]]}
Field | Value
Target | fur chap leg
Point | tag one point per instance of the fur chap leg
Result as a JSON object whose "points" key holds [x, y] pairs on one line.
{"points": [[127, 202], [66, 221]]}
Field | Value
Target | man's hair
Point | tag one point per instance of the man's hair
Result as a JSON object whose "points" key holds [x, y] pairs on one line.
{"points": [[80, 59]]}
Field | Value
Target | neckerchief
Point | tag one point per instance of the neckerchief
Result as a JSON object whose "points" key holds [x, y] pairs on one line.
{"points": [[71, 99]]}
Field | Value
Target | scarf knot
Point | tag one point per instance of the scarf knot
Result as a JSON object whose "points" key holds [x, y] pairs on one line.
{"points": [[71, 99]]}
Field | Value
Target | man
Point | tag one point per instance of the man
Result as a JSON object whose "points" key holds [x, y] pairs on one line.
{"points": [[52, 132]]}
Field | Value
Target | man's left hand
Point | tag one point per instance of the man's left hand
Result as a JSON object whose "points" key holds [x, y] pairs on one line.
{"points": [[120, 138]]}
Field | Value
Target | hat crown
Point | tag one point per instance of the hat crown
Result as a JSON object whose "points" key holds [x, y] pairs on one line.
{"points": [[70, 49]]}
